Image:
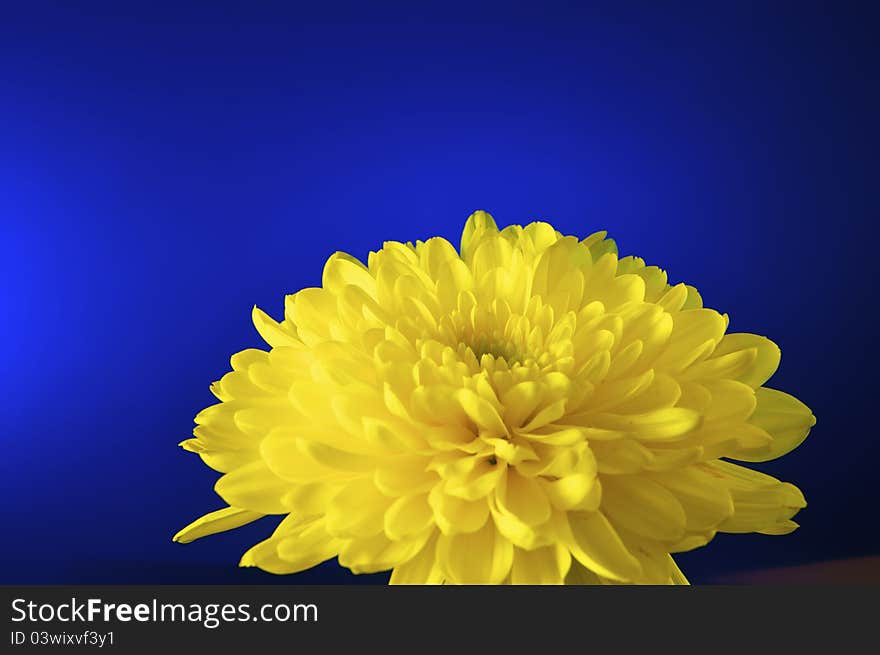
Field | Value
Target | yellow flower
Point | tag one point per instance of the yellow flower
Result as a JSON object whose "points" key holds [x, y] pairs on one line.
{"points": [[532, 409]]}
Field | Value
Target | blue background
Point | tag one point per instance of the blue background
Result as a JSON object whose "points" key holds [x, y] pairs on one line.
{"points": [[164, 169]]}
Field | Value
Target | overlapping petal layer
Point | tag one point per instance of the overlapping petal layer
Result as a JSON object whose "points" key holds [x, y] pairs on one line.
{"points": [[530, 409]]}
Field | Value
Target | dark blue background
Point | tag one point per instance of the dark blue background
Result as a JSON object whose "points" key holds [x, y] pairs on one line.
{"points": [[163, 169]]}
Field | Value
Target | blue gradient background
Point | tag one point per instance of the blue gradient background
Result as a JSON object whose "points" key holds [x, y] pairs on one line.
{"points": [[164, 169]]}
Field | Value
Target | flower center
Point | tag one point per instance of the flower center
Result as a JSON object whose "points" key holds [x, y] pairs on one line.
{"points": [[496, 346]]}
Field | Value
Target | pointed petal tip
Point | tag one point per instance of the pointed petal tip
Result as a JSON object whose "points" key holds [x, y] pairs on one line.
{"points": [[247, 559], [190, 445]]}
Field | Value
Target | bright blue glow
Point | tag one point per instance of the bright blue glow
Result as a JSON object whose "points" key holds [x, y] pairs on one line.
{"points": [[163, 170]]}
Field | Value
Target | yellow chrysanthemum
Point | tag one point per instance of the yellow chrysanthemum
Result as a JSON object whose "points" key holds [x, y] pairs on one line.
{"points": [[532, 409]]}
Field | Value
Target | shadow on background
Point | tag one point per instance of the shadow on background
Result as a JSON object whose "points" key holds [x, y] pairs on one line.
{"points": [[860, 570], [112, 572]]}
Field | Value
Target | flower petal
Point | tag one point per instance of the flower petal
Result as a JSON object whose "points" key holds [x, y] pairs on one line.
{"points": [[481, 557], [358, 510], [542, 566], [408, 516], [422, 569], [224, 519], [378, 553], [523, 498], [478, 225], [643, 507], [454, 515], [481, 412], [668, 424], [254, 487], [766, 360], [785, 418], [595, 543]]}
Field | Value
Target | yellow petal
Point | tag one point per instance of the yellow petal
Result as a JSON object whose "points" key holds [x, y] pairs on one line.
{"points": [[731, 401], [225, 461], [663, 392], [378, 553], [674, 298], [437, 405], [310, 499], [612, 393], [454, 278], [408, 516], [783, 527], [786, 419], [493, 252], [422, 569], [594, 543], [542, 566], [569, 491], [224, 519], [454, 515], [732, 365], [254, 487], [482, 557], [692, 541], [273, 333], [404, 476], [335, 459], [313, 311], [706, 503], [694, 299], [643, 507], [264, 555], [621, 290], [561, 259], [624, 359], [599, 244], [767, 519], [655, 562], [691, 330], [391, 435], [552, 412], [293, 458], [306, 546], [766, 360], [622, 456], [476, 483], [478, 225], [520, 401], [246, 358], [761, 502], [358, 510], [518, 533], [434, 254], [342, 270], [668, 424], [542, 235], [523, 498], [481, 412], [655, 283]]}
